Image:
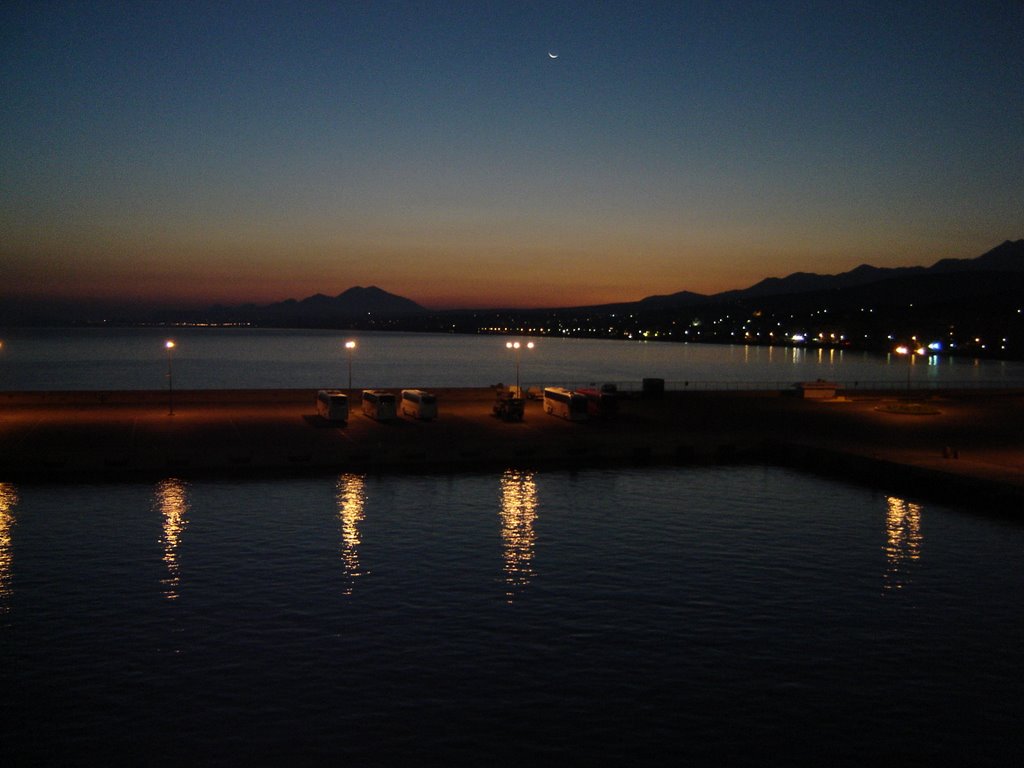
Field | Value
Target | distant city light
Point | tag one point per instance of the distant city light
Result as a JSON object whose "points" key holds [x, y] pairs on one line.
{"points": [[903, 349]]}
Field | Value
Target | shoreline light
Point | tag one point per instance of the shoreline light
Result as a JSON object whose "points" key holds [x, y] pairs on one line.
{"points": [[518, 347], [350, 345], [169, 346]]}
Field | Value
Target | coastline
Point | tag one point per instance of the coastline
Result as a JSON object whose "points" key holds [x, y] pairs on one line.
{"points": [[965, 446]]}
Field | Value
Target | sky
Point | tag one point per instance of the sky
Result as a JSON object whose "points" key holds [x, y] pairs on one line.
{"points": [[498, 154]]}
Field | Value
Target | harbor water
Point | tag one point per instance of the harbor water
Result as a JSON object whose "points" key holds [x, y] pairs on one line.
{"points": [[739, 615], [246, 358]]}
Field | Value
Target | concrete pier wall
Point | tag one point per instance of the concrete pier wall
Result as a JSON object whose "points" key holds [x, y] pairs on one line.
{"points": [[76, 436]]}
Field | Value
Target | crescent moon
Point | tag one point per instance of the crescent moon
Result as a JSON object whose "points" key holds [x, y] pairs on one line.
{"points": [[552, 55]]}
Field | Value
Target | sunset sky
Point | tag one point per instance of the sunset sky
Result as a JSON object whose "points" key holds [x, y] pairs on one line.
{"points": [[190, 153]]}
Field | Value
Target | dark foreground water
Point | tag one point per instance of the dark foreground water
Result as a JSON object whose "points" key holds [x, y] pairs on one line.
{"points": [[729, 615]]}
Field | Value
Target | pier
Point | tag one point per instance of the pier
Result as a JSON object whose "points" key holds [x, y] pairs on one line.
{"points": [[966, 446]]}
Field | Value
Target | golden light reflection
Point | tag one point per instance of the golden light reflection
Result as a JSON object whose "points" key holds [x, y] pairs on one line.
{"points": [[172, 501], [518, 515], [351, 501], [903, 540], [8, 500]]}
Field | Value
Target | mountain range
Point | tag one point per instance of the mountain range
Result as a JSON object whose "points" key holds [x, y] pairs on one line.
{"points": [[947, 279], [996, 275], [952, 274]]}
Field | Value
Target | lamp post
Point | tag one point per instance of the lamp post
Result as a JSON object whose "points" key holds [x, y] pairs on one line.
{"points": [[349, 346], [169, 344], [909, 351], [518, 348]]}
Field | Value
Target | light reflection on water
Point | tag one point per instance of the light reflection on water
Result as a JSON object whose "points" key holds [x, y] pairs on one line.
{"points": [[518, 515], [172, 501], [688, 598], [351, 497], [903, 541], [8, 500]]}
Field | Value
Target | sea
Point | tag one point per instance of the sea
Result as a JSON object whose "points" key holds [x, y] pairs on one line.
{"points": [[248, 358], [730, 615]]}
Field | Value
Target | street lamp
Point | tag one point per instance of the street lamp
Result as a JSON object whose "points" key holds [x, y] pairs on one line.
{"points": [[169, 344], [518, 348], [909, 351], [349, 346]]}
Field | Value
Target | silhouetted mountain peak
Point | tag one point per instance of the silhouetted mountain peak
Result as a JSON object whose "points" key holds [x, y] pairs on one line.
{"points": [[317, 299], [360, 291], [669, 301], [1008, 249], [1008, 256], [321, 310], [353, 302]]}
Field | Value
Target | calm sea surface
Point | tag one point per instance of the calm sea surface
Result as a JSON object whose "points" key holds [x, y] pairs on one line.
{"points": [[218, 358], [734, 615]]}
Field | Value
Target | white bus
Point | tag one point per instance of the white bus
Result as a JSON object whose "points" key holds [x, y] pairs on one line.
{"points": [[419, 404], [378, 404], [332, 404], [568, 405]]}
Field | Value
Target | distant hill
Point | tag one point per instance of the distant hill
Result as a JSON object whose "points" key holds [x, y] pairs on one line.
{"points": [[804, 282], [320, 310], [1005, 258]]}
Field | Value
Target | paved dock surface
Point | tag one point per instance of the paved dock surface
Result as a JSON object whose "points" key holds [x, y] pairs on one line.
{"points": [[970, 444]]}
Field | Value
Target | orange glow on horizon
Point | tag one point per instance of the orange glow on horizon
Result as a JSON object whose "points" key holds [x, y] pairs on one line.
{"points": [[439, 278], [508, 274]]}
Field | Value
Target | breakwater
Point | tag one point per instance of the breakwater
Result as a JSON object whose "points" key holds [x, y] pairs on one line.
{"points": [[968, 445]]}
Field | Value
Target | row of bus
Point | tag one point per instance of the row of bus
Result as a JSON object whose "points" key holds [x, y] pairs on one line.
{"points": [[574, 405], [581, 404], [332, 404]]}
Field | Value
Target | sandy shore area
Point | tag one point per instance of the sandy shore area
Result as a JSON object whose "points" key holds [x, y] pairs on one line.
{"points": [[967, 445]]}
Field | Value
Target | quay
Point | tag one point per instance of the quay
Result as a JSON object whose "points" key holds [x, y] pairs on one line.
{"points": [[966, 446]]}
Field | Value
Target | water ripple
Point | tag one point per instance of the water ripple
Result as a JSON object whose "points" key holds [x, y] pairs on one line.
{"points": [[607, 616]]}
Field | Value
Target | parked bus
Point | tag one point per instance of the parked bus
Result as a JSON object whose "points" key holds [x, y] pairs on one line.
{"points": [[332, 404], [568, 405], [601, 403], [378, 404], [419, 404]]}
